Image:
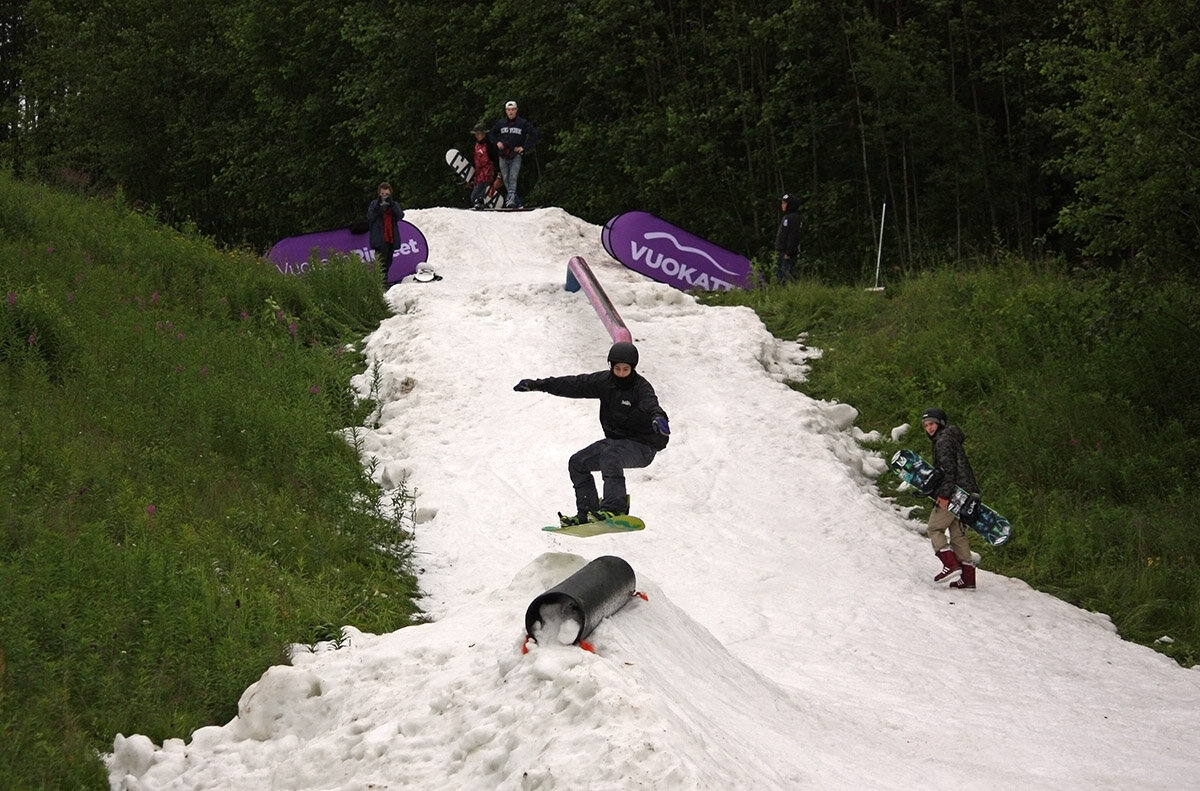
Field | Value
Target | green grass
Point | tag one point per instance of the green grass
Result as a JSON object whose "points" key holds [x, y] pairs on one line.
{"points": [[178, 500], [1078, 394]]}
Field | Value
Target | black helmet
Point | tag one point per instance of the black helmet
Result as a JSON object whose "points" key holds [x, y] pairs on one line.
{"points": [[623, 352], [936, 415], [789, 201]]}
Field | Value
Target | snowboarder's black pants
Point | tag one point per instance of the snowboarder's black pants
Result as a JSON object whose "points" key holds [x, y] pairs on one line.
{"points": [[609, 457]]}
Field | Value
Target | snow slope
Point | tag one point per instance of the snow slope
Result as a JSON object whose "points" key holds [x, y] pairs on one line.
{"points": [[791, 637]]}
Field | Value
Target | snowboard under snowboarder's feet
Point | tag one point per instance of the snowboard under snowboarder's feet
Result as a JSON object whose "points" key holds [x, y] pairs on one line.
{"points": [[621, 523]]}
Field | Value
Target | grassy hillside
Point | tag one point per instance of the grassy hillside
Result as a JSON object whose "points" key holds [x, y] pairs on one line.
{"points": [[1079, 393], [177, 502]]}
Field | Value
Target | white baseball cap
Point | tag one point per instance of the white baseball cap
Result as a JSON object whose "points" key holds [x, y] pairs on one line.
{"points": [[510, 105]]}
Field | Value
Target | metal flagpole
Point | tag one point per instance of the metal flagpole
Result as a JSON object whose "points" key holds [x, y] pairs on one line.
{"points": [[879, 252]]}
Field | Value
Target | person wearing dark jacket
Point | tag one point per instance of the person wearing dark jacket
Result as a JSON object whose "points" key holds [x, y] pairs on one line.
{"points": [[950, 459], [787, 239], [383, 223], [635, 430], [514, 137]]}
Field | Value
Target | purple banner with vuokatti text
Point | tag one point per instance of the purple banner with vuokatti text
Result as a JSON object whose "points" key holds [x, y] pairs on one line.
{"points": [[671, 255], [291, 255]]}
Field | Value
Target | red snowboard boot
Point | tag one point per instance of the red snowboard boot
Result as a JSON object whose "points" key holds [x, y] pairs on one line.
{"points": [[968, 578], [950, 566]]}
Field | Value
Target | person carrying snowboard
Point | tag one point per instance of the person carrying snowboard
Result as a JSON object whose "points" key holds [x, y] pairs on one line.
{"points": [[483, 157], [950, 460], [635, 430]]}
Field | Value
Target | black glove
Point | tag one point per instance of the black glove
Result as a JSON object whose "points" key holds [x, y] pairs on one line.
{"points": [[969, 512], [661, 427], [525, 385], [929, 488]]}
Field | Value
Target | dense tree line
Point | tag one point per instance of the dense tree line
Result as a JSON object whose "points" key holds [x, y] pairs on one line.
{"points": [[1029, 126]]}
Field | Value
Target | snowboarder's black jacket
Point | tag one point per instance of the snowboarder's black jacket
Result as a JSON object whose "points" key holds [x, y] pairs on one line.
{"points": [[951, 459], [628, 406]]}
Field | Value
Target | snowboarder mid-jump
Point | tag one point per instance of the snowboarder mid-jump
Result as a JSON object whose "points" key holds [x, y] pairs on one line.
{"points": [[635, 430]]}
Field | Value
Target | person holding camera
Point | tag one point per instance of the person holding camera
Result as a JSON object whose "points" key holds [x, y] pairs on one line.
{"points": [[383, 222]]}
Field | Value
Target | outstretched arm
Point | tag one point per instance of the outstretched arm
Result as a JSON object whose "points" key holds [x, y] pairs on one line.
{"points": [[581, 386]]}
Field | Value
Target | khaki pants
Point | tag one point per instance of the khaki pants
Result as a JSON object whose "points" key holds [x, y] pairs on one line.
{"points": [[942, 521]]}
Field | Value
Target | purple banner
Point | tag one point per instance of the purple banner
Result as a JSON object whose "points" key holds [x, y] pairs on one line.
{"points": [[291, 255], [671, 255]]}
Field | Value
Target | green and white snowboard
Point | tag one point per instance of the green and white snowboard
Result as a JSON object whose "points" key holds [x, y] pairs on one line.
{"points": [[622, 523]]}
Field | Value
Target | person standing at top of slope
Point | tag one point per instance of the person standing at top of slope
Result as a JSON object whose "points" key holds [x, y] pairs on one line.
{"points": [[635, 430], [514, 137], [950, 459], [483, 157]]}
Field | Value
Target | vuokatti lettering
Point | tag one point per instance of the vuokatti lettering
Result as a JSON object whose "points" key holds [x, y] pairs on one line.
{"points": [[672, 267]]}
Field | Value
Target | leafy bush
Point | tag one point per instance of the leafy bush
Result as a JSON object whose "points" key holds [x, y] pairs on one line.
{"points": [[33, 330]]}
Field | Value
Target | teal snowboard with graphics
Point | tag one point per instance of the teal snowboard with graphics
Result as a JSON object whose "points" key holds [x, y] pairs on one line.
{"points": [[923, 476]]}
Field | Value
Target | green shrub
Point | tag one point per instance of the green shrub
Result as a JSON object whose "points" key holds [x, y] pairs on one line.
{"points": [[34, 331]]}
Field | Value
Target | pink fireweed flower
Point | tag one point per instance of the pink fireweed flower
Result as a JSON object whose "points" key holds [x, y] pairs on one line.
{"points": [[292, 329], [151, 510], [12, 297], [314, 389]]}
